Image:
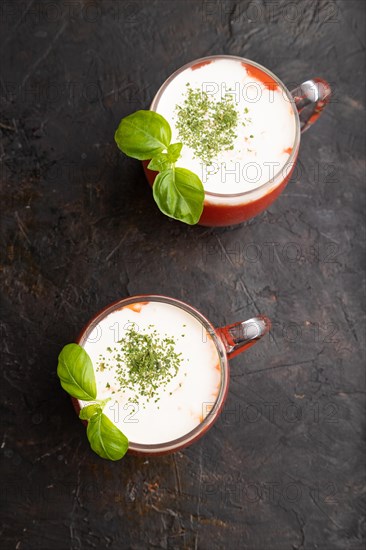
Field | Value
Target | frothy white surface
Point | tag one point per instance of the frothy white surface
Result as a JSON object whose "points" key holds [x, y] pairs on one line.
{"points": [[199, 374], [270, 120]]}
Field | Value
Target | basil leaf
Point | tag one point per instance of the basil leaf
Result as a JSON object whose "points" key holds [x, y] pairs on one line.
{"points": [[179, 194], [174, 150], [159, 163], [90, 410], [76, 373], [105, 438], [163, 161], [143, 135]]}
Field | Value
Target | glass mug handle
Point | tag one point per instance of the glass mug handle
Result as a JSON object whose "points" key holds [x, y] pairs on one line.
{"points": [[310, 99], [241, 336]]}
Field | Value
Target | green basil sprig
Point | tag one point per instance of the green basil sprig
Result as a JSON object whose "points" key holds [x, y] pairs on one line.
{"points": [[178, 192], [76, 373]]}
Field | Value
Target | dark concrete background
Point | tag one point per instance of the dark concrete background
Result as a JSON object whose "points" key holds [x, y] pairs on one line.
{"points": [[282, 469]]}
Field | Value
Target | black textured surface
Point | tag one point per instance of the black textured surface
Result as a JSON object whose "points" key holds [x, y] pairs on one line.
{"points": [[282, 469]]}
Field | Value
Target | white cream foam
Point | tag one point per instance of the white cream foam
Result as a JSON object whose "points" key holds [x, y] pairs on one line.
{"points": [[195, 386], [270, 119]]}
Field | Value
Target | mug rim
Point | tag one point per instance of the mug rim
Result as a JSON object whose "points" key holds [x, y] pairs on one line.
{"points": [[202, 427], [278, 177]]}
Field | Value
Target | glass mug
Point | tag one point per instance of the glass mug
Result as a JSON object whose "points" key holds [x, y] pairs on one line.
{"points": [[228, 341], [307, 101]]}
